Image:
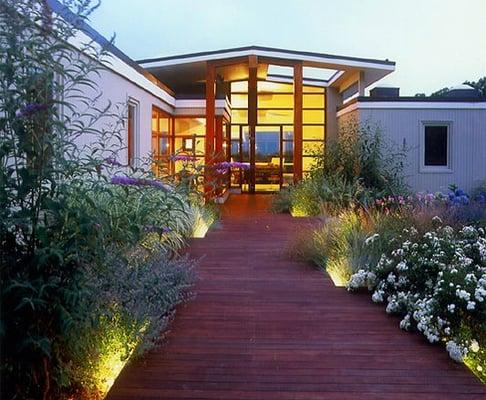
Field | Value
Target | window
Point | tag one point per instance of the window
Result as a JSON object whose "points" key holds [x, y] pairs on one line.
{"points": [[436, 146], [161, 141], [132, 133]]}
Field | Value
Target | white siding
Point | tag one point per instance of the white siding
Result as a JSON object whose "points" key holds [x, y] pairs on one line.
{"points": [[468, 143], [119, 90]]}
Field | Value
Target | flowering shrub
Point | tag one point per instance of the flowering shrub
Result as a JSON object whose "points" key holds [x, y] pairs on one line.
{"points": [[88, 246], [134, 303], [456, 197], [430, 269], [437, 281]]}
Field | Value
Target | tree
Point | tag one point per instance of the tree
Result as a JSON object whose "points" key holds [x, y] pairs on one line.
{"points": [[479, 85]]}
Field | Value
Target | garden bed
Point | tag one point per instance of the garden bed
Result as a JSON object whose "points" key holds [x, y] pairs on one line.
{"points": [[423, 255]]}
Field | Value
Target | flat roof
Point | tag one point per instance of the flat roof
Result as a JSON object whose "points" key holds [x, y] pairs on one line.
{"points": [[420, 99], [412, 102]]}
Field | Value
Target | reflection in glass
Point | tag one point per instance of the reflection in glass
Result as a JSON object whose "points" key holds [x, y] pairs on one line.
{"points": [[267, 158]]}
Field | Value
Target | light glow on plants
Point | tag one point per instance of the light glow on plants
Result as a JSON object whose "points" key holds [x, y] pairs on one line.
{"points": [[110, 367], [474, 363], [117, 346], [338, 272], [200, 227], [297, 211]]}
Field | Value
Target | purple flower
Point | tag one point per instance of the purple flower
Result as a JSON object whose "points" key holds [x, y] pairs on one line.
{"points": [[130, 181], [113, 161], [30, 109], [182, 157], [227, 164]]}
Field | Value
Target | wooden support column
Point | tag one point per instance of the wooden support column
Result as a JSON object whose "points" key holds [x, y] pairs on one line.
{"points": [[218, 142], [298, 99], [210, 112], [218, 151], [361, 84], [252, 114], [210, 126]]}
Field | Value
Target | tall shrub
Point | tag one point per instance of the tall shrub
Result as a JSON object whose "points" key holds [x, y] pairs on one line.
{"points": [[359, 166], [87, 246]]}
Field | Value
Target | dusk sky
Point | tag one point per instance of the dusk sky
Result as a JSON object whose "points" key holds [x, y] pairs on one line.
{"points": [[435, 43]]}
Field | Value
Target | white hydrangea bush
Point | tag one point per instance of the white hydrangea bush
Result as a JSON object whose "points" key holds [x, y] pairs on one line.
{"points": [[437, 281]]}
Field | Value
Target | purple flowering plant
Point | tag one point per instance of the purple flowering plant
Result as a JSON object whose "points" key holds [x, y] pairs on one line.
{"points": [[112, 161], [30, 110], [183, 157]]}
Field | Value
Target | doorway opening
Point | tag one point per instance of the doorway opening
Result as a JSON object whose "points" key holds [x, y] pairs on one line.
{"points": [[269, 154]]}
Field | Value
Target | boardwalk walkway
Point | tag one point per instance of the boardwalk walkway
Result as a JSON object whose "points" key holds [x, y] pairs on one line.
{"points": [[266, 328]]}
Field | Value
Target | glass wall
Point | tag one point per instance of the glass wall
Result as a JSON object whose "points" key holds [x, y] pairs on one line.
{"points": [[274, 136], [313, 125], [161, 141], [174, 136], [189, 138]]}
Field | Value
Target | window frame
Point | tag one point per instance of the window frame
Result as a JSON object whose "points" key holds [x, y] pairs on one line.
{"points": [[436, 168], [133, 146]]}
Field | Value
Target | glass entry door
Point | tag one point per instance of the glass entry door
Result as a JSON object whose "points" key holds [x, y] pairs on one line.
{"points": [[268, 159], [269, 153]]}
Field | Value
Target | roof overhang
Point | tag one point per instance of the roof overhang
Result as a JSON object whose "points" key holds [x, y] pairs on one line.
{"points": [[186, 68]]}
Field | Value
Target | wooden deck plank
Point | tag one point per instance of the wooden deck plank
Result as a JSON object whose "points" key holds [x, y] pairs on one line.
{"points": [[265, 327]]}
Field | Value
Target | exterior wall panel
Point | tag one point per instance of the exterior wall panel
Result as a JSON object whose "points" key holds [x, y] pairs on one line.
{"points": [[115, 90], [467, 151]]}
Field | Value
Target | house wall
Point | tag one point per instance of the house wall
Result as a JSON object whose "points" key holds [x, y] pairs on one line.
{"points": [[119, 91], [333, 100], [111, 92], [468, 143]]}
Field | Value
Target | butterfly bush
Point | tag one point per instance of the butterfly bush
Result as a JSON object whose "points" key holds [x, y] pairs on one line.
{"points": [[437, 281]]}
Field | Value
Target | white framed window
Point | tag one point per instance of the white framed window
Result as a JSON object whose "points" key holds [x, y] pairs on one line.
{"points": [[133, 132], [435, 146]]}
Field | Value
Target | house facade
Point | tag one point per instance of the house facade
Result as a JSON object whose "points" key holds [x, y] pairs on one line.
{"points": [[275, 109]]}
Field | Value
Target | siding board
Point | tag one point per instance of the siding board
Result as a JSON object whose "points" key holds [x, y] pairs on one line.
{"points": [[468, 143]]}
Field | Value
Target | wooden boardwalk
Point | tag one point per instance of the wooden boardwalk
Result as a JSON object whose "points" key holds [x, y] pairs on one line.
{"points": [[264, 327]]}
